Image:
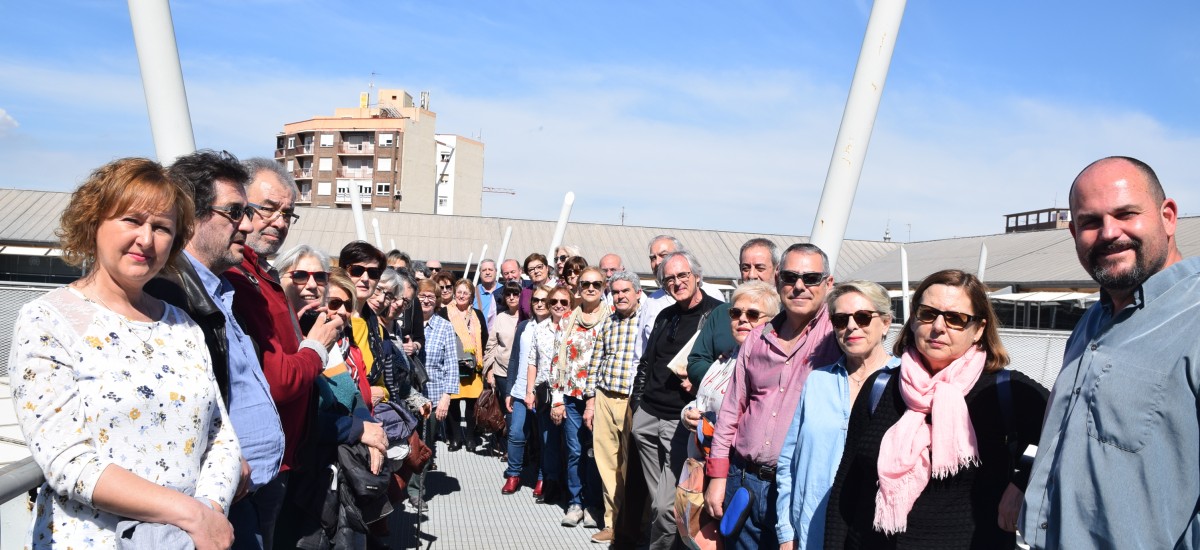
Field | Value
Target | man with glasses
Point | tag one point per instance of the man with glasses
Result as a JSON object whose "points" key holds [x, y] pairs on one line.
{"points": [[1118, 463], [758, 260], [761, 399], [661, 247], [659, 395], [434, 267], [195, 284]]}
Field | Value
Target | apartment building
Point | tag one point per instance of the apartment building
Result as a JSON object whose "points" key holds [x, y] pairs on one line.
{"points": [[388, 153]]}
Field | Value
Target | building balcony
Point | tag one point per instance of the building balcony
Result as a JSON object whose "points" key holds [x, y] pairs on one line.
{"points": [[357, 149], [344, 198], [305, 196], [302, 173], [355, 172], [302, 149], [279, 153]]}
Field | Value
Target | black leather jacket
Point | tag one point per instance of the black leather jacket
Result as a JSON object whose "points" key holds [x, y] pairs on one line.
{"points": [[179, 285]]}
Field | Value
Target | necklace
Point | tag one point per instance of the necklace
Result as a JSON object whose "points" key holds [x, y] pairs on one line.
{"points": [[147, 349]]}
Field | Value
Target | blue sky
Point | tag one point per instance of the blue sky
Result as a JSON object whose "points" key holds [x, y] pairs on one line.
{"points": [[696, 114]]}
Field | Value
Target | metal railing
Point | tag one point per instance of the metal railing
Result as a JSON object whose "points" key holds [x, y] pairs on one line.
{"points": [[356, 172], [19, 478], [358, 148]]}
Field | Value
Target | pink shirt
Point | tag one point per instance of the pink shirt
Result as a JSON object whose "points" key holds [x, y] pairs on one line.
{"points": [[765, 390]]}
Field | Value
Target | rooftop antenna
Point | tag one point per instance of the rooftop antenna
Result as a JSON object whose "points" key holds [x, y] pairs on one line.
{"points": [[622, 215], [887, 231]]}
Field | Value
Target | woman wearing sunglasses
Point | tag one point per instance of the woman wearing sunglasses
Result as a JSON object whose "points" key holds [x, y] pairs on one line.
{"points": [[754, 303], [445, 286], [860, 312], [343, 416], [569, 276], [934, 465], [543, 354], [568, 383], [521, 399], [303, 274]]}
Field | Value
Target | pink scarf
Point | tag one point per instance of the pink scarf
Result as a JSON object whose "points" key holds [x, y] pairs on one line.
{"points": [[905, 464]]}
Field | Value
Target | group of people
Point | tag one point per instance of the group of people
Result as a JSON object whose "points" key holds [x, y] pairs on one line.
{"points": [[186, 386]]}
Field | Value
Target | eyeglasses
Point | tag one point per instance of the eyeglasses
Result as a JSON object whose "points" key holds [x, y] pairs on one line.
{"points": [[559, 302], [426, 297], [954, 319], [563, 257], [809, 278], [678, 277], [338, 303], [357, 271], [434, 269], [535, 267], [301, 276], [536, 300], [752, 315], [234, 212], [445, 287], [861, 317], [272, 214], [591, 284], [387, 296]]}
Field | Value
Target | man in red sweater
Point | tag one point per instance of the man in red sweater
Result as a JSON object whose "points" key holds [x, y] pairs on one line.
{"points": [[291, 362]]}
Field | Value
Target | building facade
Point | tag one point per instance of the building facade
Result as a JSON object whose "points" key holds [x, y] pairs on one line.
{"points": [[387, 153]]}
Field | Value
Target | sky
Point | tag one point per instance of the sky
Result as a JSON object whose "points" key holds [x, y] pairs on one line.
{"points": [[680, 114]]}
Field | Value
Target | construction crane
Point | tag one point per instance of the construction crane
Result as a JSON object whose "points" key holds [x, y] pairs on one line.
{"points": [[501, 190]]}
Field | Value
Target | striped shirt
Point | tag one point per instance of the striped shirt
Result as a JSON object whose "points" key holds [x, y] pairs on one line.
{"points": [[614, 363], [441, 358]]}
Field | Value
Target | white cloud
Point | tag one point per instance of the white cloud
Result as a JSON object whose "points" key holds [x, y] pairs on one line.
{"points": [[736, 149], [7, 123]]}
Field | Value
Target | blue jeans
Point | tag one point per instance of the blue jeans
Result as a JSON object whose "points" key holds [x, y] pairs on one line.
{"points": [[552, 437], [519, 430], [759, 529], [253, 517], [578, 438]]}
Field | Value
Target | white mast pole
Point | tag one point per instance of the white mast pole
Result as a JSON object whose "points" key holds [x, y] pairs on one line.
{"points": [[162, 79], [858, 120], [482, 255], [561, 228]]}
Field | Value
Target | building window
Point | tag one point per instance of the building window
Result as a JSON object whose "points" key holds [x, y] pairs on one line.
{"points": [[443, 201], [323, 188], [385, 165], [291, 164], [383, 189], [291, 142], [343, 192], [326, 140], [385, 140], [326, 165]]}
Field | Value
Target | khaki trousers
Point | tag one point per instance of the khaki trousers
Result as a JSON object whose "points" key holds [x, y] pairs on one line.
{"points": [[610, 442]]}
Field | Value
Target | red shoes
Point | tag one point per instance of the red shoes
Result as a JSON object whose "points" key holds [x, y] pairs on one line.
{"points": [[512, 484], [537, 491]]}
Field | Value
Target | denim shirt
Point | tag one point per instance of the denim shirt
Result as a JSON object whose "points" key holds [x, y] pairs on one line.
{"points": [[810, 456], [1118, 464], [251, 409]]}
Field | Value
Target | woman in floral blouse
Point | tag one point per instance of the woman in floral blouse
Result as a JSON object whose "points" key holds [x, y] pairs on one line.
{"points": [[113, 388], [577, 339]]}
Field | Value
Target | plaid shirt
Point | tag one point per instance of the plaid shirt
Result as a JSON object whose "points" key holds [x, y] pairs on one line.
{"points": [[613, 365], [441, 358]]}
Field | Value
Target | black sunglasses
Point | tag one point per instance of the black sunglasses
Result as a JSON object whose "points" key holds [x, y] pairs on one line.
{"points": [[537, 300], [861, 317], [809, 278], [752, 315], [356, 271], [559, 302], [235, 212], [591, 284], [954, 319], [563, 258], [338, 303], [301, 276]]}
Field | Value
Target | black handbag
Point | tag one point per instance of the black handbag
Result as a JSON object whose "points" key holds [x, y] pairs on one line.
{"points": [[418, 374]]}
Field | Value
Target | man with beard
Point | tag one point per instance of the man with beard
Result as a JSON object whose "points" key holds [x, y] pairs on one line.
{"points": [[291, 361], [1118, 463]]}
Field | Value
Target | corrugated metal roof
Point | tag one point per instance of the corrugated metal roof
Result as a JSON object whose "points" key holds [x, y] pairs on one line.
{"points": [[1032, 260]]}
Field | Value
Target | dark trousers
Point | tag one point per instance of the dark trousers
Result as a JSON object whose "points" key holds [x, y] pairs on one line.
{"points": [[253, 517]]}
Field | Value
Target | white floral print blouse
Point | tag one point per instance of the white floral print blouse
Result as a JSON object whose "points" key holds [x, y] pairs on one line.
{"points": [[93, 388]]}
